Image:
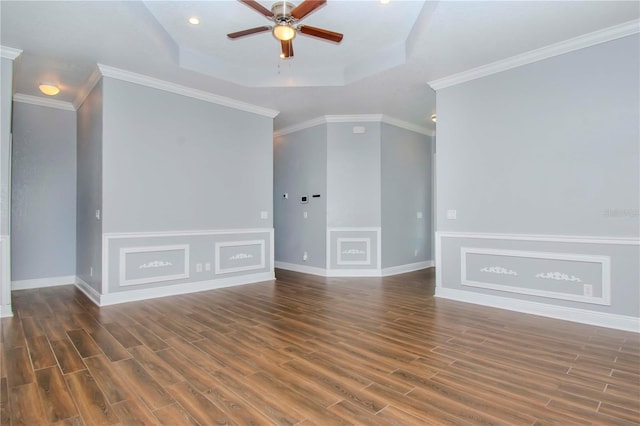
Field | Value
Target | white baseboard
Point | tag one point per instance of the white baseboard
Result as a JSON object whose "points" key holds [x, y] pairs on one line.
{"points": [[89, 291], [410, 267], [170, 290], [301, 268], [43, 282], [601, 319], [394, 270], [5, 311]]}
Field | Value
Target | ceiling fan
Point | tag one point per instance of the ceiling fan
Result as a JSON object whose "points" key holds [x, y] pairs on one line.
{"points": [[285, 16]]}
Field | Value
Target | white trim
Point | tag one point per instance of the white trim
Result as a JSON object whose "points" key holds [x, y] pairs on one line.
{"points": [[570, 45], [604, 261], [157, 278], [114, 235], [376, 267], [341, 261], [9, 52], [88, 86], [88, 291], [301, 268], [43, 282], [183, 288], [5, 276], [548, 238], [409, 267], [372, 272], [178, 89], [356, 118], [601, 319], [219, 270], [407, 126], [44, 102]]}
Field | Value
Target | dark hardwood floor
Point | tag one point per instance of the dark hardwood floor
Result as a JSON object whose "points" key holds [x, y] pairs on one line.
{"points": [[308, 350]]}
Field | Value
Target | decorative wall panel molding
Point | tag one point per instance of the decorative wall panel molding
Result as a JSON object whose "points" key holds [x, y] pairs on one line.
{"points": [[5, 277], [233, 256], [527, 281], [170, 262], [354, 251], [197, 259]]}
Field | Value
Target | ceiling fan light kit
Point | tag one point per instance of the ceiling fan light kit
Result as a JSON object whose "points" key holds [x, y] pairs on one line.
{"points": [[285, 15]]}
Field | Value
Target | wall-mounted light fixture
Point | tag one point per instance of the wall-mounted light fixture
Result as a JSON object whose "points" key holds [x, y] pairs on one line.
{"points": [[49, 89], [433, 118]]}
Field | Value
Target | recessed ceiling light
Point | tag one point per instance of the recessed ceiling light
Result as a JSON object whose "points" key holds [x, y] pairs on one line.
{"points": [[194, 20], [49, 89], [385, 1], [433, 118]]}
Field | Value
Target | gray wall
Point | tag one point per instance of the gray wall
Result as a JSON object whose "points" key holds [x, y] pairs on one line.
{"points": [[547, 148], [353, 175], [300, 168], [89, 189], [176, 163], [406, 190], [43, 204]]}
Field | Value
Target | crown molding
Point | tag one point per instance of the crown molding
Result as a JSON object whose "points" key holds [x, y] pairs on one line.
{"points": [[88, 86], [9, 52], [570, 45], [45, 102], [354, 118], [178, 89], [300, 126], [407, 126]]}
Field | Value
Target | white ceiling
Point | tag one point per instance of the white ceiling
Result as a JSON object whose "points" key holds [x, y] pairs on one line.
{"points": [[388, 54]]}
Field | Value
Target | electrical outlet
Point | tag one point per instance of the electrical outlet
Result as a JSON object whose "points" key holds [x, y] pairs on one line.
{"points": [[588, 290], [418, 215], [305, 256], [415, 253], [207, 266], [90, 271], [452, 214], [264, 215], [198, 267], [98, 214], [305, 215]]}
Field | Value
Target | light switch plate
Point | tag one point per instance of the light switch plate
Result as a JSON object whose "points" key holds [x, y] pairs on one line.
{"points": [[452, 214]]}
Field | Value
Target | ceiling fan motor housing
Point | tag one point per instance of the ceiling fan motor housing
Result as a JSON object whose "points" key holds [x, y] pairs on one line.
{"points": [[282, 12]]}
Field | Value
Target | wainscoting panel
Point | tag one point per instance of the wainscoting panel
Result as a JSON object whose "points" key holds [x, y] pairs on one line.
{"points": [[141, 265], [353, 252], [576, 278], [583, 278], [173, 262]]}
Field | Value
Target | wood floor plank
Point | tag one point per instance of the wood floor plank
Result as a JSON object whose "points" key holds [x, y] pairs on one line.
{"points": [[113, 385], [67, 356], [40, 351], [122, 335], [134, 412], [5, 410], [307, 350], [26, 408], [89, 399], [83, 343], [19, 369], [58, 403], [173, 415], [200, 408], [142, 384]]}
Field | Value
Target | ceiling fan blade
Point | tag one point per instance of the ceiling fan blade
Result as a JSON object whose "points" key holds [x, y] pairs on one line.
{"points": [[320, 33], [253, 4], [306, 7], [249, 32], [287, 49]]}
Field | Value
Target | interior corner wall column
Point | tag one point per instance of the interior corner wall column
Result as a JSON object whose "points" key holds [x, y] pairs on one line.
{"points": [[7, 56]]}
